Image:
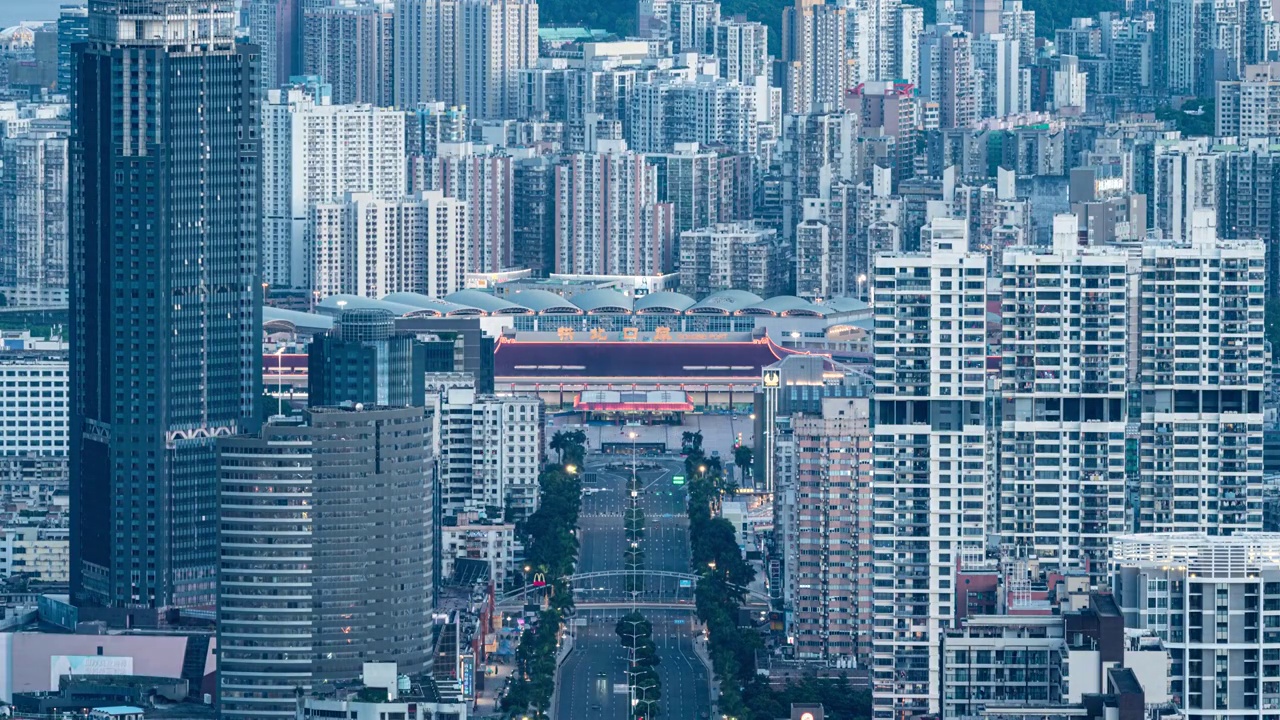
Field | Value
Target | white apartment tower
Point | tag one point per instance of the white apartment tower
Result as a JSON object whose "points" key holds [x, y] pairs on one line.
{"points": [[607, 216], [1201, 373], [315, 153], [465, 52], [490, 453], [884, 40], [34, 213], [1063, 401], [483, 179], [506, 453], [930, 457], [1187, 175], [370, 247], [691, 26], [995, 58], [1250, 107], [742, 50]]}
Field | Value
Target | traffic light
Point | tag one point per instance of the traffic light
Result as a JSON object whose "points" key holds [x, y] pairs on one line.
{"points": [[677, 479]]}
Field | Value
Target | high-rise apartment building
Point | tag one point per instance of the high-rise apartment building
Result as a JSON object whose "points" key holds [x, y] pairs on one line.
{"points": [[483, 179], [995, 58], [274, 26], [34, 218], [1070, 85], [884, 40], [732, 256], [465, 52], [533, 228], [947, 75], [1250, 107], [314, 152], [490, 453], [370, 247], [931, 462], [827, 530], [1187, 181], [890, 109], [1018, 23], [33, 409], [326, 541], [742, 50], [816, 71], [1250, 201], [691, 26], [607, 216], [704, 187], [1063, 402], [665, 111], [1201, 373], [1199, 43], [1212, 601], [813, 150], [165, 203], [349, 45]]}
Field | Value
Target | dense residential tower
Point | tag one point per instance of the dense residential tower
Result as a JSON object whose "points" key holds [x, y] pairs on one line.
{"points": [[947, 75], [931, 461], [465, 52], [828, 572], [816, 71], [1201, 375], [607, 217], [370, 247], [164, 268], [34, 218], [1061, 486], [349, 46], [315, 152]]}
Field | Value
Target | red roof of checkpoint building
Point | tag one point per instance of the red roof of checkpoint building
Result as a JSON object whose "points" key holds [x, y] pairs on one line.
{"points": [[625, 360]]}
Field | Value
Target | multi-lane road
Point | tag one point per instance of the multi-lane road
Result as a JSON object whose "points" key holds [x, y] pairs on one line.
{"points": [[596, 668]]}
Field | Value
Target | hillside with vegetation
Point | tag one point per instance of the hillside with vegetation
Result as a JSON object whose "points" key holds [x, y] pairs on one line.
{"points": [[619, 16]]}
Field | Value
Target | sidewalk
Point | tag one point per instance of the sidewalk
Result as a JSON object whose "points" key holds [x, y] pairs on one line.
{"points": [[700, 649], [566, 646], [486, 703]]}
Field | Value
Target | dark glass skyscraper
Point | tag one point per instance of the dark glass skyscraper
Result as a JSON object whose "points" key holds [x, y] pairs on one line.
{"points": [[365, 360], [165, 294]]}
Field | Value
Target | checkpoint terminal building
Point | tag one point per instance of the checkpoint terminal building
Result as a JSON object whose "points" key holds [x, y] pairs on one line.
{"points": [[603, 352]]}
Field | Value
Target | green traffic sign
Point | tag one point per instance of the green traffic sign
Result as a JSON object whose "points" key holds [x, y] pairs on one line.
{"points": [[677, 479]]}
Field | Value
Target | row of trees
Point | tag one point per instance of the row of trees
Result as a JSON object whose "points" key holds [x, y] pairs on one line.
{"points": [[725, 574], [551, 551], [635, 633]]}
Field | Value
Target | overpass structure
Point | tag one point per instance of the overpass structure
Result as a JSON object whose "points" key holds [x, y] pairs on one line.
{"points": [[520, 595]]}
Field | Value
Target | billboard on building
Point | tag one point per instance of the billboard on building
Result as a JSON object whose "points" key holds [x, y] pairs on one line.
{"points": [[60, 665]]}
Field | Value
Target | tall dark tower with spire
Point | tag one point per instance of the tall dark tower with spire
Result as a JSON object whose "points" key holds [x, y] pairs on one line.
{"points": [[165, 296]]}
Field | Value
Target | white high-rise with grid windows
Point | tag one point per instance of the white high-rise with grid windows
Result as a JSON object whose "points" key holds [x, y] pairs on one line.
{"points": [[1065, 332], [313, 152], [1203, 365], [370, 247], [930, 454]]}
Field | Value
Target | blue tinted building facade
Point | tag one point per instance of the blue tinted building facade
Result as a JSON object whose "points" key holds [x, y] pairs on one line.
{"points": [[165, 298]]}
